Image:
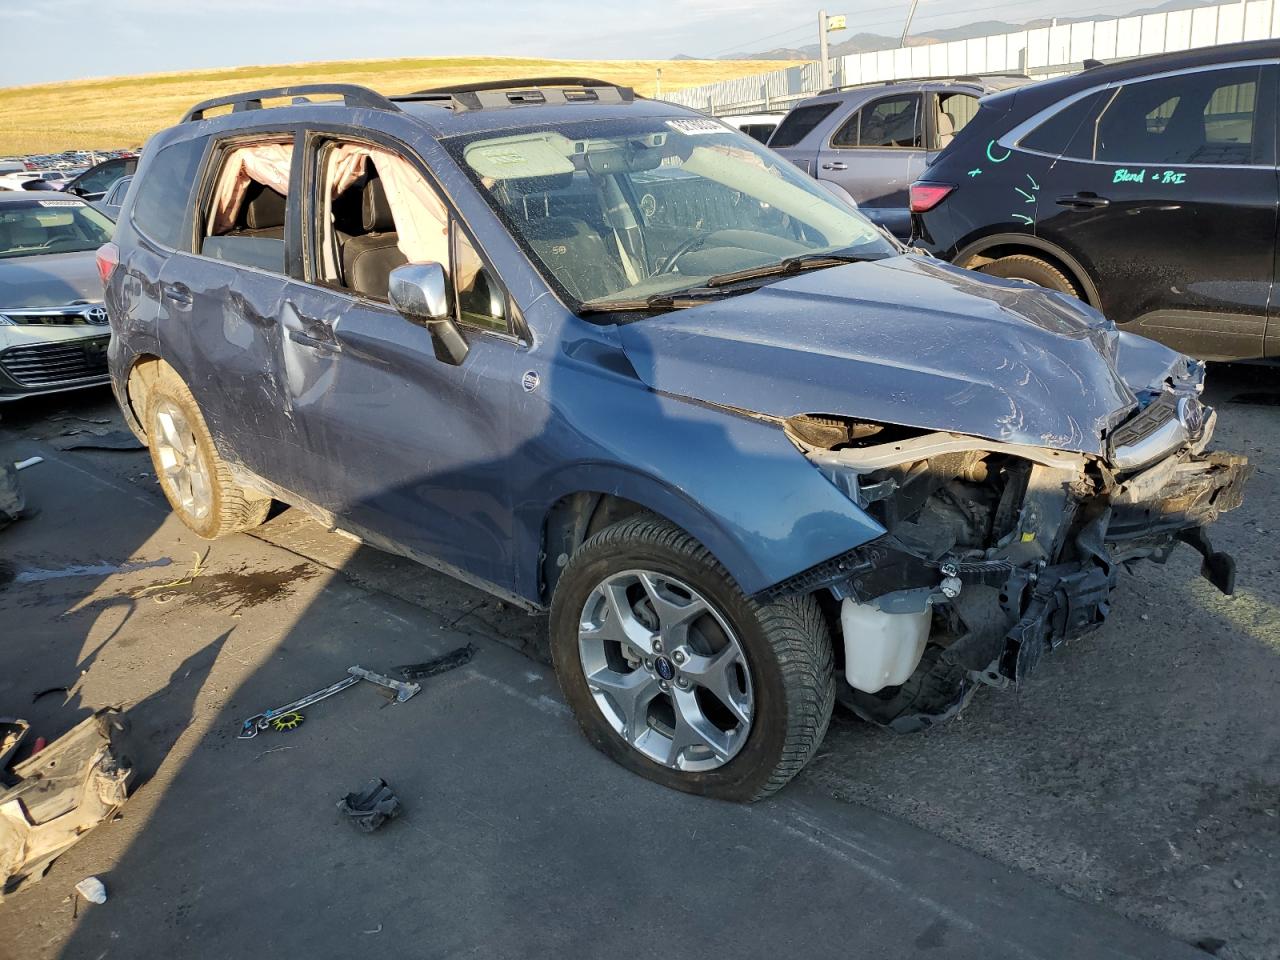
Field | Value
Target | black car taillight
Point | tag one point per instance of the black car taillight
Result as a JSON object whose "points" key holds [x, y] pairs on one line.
{"points": [[926, 195]]}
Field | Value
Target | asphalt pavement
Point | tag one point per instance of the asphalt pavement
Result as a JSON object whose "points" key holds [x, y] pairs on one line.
{"points": [[1123, 804]]}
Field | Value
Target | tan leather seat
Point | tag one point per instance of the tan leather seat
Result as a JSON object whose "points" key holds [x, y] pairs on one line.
{"points": [[946, 128]]}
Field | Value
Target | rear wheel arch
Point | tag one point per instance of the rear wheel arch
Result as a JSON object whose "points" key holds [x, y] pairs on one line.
{"points": [[142, 376], [984, 251], [199, 484]]}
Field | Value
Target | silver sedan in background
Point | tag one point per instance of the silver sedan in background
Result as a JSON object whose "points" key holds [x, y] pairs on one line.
{"points": [[53, 327]]}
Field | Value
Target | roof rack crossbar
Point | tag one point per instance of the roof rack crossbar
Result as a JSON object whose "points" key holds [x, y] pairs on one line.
{"points": [[352, 95], [494, 94], [516, 83]]}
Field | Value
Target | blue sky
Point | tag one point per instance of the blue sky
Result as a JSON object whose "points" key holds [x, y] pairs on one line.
{"points": [[69, 39]]}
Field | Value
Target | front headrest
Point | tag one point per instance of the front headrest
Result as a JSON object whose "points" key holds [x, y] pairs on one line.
{"points": [[946, 124], [375, 211], [264, 210]]}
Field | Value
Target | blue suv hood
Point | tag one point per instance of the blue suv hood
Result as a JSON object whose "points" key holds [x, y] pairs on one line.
{"points": [[905, 341]]}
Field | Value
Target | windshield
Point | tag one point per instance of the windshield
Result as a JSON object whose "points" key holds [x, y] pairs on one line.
{"points": [[36, 227], [624, 210]]}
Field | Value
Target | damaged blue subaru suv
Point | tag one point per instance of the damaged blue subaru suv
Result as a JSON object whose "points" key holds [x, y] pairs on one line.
{"points": [[605, 357]]}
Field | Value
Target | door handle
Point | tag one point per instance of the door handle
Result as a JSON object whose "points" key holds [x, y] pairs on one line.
{"points": [[307, 331], [179, 293], [1083, 201], [835, 165], [298, 337]]}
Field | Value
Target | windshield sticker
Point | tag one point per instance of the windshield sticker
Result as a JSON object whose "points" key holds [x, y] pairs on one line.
{"points": [[694, 128], [58, 203]]}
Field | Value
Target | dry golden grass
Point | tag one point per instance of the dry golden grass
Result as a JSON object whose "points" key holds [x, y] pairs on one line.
{"points": [[124, 111]]}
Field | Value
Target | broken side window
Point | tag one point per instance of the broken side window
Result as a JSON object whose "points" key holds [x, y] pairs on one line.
{"points": [[247, 210]]}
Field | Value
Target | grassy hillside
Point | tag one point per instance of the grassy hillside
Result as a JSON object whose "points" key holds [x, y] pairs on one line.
{"points": [[124, 111]]}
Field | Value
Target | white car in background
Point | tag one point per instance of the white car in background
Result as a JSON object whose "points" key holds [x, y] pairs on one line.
{"points": [[19, 181], [757, 126]]}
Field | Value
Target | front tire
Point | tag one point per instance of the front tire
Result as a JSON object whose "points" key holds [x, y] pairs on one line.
{"points": [[677, 675], [196, 481]]}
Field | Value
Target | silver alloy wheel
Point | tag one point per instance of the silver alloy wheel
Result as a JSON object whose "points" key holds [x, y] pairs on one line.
{"points": [[183, 471], [666, 670]]}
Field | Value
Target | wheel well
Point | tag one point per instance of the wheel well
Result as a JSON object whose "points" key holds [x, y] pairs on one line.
{"points": [[141, 376], [976, 257], [572, 521]]}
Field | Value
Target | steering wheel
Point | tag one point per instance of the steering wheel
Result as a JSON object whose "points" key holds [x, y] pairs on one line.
{"points": [[695, 242], [57, 241]]}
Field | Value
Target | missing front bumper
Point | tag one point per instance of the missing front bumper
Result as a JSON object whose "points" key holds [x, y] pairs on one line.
{"points": [[1008, 613]]}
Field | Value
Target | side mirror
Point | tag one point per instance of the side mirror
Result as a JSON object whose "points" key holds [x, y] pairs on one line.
{"points": [[420, 292]]}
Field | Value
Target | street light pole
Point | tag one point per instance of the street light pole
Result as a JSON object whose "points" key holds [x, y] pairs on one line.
{"points": [[906, 27], [824, 70]]}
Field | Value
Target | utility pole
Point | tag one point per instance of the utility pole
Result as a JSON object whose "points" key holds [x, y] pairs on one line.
{"points": [[906, 27], [827, 25], [824, 69]]}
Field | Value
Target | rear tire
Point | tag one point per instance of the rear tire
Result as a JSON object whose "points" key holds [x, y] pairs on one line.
{"points": [[1023, 267], [626, 581], [196, 481]]}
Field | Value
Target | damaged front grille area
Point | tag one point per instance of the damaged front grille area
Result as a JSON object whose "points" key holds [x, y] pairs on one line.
{"points": [[1010, 550], [1167, 423]]}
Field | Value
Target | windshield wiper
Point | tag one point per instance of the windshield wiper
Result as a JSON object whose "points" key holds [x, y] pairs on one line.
{"points": [[712, 288], [676, 300], [787, 267]]}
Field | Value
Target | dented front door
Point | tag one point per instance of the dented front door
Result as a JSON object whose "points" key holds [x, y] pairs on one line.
{"points": [[397, 443]]}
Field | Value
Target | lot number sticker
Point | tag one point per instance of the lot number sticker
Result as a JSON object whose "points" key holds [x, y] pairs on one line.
{"points": [[693, 128]]}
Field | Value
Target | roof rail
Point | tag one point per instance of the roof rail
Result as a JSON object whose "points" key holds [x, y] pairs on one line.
{"points": [[352, 95], [953, 78], [518, 92]]}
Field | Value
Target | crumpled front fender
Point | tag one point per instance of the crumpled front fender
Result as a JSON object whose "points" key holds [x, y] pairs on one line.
{"points": [[1147, 366]]}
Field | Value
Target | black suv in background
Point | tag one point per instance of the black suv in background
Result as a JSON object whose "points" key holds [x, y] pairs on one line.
{"points": [[95, 182], [1147, 188]]}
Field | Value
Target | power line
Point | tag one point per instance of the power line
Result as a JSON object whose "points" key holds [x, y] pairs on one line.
{"points": [[747, 43], [808, 26]]}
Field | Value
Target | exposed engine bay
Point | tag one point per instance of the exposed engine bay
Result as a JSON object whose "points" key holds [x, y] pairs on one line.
{"points": [[997, 553]]}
